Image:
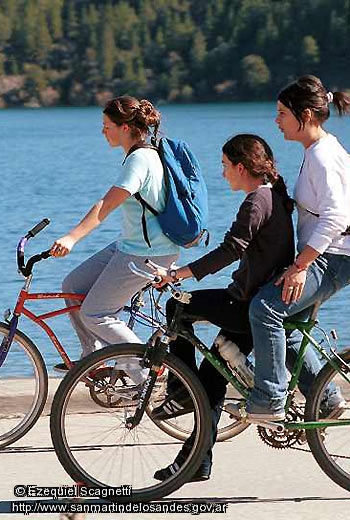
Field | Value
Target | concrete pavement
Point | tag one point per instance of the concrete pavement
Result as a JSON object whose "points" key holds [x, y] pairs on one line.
{"points": [[257, 482]]}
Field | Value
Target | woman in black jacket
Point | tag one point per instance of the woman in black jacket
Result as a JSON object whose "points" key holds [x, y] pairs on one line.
{"points": [[262, 238]]}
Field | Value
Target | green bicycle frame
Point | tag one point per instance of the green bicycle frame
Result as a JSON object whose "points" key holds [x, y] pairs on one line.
{"points": [[305, 328]]}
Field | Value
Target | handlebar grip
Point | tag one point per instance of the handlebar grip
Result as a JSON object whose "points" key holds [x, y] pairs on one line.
{"points": [[39, 227]]}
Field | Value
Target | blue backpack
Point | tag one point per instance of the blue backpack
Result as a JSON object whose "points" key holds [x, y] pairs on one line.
{"points": [[184, 218]]}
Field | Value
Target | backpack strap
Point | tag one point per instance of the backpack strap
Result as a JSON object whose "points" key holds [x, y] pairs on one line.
{"points": [[138, 197], [136, 146], [145, 206], [344, 233]]}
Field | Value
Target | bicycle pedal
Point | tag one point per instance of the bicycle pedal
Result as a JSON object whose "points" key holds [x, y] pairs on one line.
{"points": [[270, 425]]}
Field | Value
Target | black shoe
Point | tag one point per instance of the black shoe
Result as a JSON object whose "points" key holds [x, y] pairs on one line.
{"points": [[172, 407], [200, 475], [62, 367], [165, 473]]}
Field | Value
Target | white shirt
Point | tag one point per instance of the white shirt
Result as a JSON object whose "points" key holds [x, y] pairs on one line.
{"points": [[323, 188]]}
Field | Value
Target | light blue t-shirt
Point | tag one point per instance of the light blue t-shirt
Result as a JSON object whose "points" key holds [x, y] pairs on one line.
{"points": [[143, 172]]}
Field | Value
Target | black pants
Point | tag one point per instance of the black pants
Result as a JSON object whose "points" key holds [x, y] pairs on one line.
{"points": [[232, 316], [220, 309]]}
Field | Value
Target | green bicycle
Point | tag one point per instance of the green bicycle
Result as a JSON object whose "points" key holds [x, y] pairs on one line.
{"points": [[108, 447]]}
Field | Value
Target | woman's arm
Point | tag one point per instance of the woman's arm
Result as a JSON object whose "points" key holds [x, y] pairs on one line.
{"points": [[252, 214], [295, 276], [330, 198], [250, 217], [99, 211]]}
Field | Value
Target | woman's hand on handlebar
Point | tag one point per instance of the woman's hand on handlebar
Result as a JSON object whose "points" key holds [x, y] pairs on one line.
{"points": [[63, 246], [164, 274]]}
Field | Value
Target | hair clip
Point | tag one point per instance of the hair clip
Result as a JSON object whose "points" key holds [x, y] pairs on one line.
{"points": [[329, 97]]}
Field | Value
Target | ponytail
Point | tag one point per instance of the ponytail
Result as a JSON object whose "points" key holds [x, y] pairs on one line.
{"points": [[280, 187], [341, 101]]}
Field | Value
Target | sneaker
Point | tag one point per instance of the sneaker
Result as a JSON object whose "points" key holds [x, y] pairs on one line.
{"points": [[200, 475], [62, 367], [238, 411], [173, 408], [334, 412]]}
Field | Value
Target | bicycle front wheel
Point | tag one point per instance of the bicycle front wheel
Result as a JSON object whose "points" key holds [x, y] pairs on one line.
{"points": [[23, 387], [89, 432], [330, 446]]}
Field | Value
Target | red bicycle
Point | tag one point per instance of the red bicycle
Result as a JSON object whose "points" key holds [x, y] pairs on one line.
{"points": [[22, 399]]}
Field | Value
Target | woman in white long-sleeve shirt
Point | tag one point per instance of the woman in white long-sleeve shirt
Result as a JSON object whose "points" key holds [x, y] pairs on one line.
{"points": [[322, 266]]}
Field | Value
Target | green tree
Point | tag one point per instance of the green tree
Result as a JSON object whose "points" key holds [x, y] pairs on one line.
{"points": [[72, 24], [108, 52], [5, 27], [55, 15], [199, 48], [255, 74], [30, 28], [36, 78], [43, 39], [310, 54]]}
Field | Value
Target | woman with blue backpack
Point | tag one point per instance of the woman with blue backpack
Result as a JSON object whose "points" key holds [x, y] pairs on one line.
{"points": [[105, 278]]}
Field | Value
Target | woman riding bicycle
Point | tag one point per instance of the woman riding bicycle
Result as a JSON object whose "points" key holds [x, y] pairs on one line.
{"points": [[105, 278], [262, 238], [322, 267]]}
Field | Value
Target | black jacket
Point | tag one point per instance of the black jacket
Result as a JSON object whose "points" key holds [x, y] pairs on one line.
{"points": [[261, 237]]}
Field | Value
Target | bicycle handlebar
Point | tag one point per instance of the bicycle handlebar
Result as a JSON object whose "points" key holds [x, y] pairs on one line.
{"points": [[26, 268], [181, 296]]}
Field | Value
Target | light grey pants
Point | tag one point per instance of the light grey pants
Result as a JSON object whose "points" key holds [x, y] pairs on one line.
{"points": [[108, 283]]}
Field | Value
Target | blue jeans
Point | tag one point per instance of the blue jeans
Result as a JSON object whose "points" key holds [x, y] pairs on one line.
{"points": [[328, 274]]}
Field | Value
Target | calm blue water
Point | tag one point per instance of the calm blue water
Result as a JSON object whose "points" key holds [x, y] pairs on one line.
{"points": [[55, 163]]}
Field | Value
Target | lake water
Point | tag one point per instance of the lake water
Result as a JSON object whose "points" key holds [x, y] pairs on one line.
{"points": [[56, 163]]}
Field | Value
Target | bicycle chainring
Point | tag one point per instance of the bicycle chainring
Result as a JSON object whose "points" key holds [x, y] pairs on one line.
{"points": [[286, 438]]}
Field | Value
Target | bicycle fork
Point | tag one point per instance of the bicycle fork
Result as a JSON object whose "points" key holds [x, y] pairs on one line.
{"points": [[7, 340], [153, 359], [13, 322]]}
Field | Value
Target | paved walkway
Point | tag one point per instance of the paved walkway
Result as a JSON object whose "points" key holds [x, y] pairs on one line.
{"points": [[256, 481]]}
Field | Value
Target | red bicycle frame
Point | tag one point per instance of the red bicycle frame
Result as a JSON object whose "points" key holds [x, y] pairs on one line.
{"points": [[20, 308]]}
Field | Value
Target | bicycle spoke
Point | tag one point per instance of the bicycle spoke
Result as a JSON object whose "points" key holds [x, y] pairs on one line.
{"points": [[94, 443], [21, 399], [331, 446]]}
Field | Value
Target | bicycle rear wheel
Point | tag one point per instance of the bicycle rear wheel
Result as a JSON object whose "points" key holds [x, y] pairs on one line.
{"points": [[90, 435], [180, 427], [330, 446], [23, 387]]}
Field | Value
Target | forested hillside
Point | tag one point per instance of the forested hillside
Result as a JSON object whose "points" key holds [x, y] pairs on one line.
{"points": [[80, 52]]}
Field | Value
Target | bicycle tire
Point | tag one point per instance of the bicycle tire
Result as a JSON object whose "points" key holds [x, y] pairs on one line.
{"points": [[178, 428], [25, 399], [228, 426], [82, 458], [335, 439]]}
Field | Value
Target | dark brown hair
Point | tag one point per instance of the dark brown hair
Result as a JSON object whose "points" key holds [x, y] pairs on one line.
{"points": [[141, 116], [309, 92], [257, 157]]}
